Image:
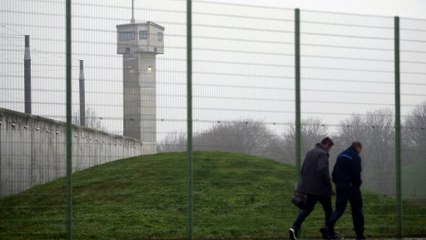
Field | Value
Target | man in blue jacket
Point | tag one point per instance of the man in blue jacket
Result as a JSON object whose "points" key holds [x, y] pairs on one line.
{"points": [[315, 182], [347, 178]]}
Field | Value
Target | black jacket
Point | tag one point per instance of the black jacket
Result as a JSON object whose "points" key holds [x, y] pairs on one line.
{"points": [[315, 176], [348, 168]]}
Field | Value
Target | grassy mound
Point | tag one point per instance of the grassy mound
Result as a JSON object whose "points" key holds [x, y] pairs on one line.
{"points": [[234, 196]]}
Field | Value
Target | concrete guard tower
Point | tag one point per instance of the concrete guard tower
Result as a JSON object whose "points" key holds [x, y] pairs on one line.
{"points": [[140, 43]]}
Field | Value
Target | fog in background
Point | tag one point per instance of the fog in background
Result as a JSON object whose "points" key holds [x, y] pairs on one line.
{"points": [[243, 73]]}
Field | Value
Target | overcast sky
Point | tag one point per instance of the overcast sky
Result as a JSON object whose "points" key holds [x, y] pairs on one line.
{"points": [[402, 8], [243, 58]]}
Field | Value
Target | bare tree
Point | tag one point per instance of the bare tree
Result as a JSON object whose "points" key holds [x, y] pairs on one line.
{"points": [[276, 149], [173, 142], [313, 130], [92, 120], [414, 134], [351, 129], [375, 130], [413, 152], [247, 136]]}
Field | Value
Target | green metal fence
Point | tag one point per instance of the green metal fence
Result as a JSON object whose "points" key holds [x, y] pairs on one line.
{"points": [[263, 81]]}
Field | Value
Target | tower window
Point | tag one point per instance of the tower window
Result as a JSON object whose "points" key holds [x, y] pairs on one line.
{"points": [[160, 36], [126, 36], [143, 34]]}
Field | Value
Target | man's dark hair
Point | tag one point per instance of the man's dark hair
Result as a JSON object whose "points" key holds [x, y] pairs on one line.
{"points": [[356, 144], [327, 141]]}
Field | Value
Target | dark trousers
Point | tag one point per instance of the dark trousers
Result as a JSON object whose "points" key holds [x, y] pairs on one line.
{"points": [[310, 204], [346, 192]]}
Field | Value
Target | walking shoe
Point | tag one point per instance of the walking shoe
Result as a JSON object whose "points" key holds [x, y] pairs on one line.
{"points": [[335, 236], [324, 233], [330, 236], [292, 234]]}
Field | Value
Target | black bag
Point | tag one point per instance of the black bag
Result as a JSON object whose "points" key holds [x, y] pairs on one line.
{"points": [[299, 199]]}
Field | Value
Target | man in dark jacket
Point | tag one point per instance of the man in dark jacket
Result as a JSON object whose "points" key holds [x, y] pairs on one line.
{"points": [[315, 183], [347, 177]]}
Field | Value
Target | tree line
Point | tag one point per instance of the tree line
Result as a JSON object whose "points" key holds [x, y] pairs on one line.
{"points": [[375, 130]]}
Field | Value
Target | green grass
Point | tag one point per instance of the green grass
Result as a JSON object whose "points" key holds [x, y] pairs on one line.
{"points": [[235, 196], [414, 181]]}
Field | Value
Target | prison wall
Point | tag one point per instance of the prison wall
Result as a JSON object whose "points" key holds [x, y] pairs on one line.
{"points": [[33, 150]]}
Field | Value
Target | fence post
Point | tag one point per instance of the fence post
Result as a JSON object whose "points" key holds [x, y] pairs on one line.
{"points": [[398, 130], [297, 88], [68, 124], [189, 111]]}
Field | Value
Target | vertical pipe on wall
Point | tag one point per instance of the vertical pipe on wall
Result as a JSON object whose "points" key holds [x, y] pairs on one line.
{"points": [[27, 75], [189, 111], [68, 124], [133, 12], [398, 130], [297, 89], [82, 96]]}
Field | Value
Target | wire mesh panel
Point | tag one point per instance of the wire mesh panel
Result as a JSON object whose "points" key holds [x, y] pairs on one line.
{"points": [[348, 94], [32, 83], [413, 106], [229, 172], [135, 61], [33, 145], [243, 77], [243, 102]]}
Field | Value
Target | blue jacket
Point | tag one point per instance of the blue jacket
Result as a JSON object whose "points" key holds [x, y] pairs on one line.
{"points": [[348, 168]]}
